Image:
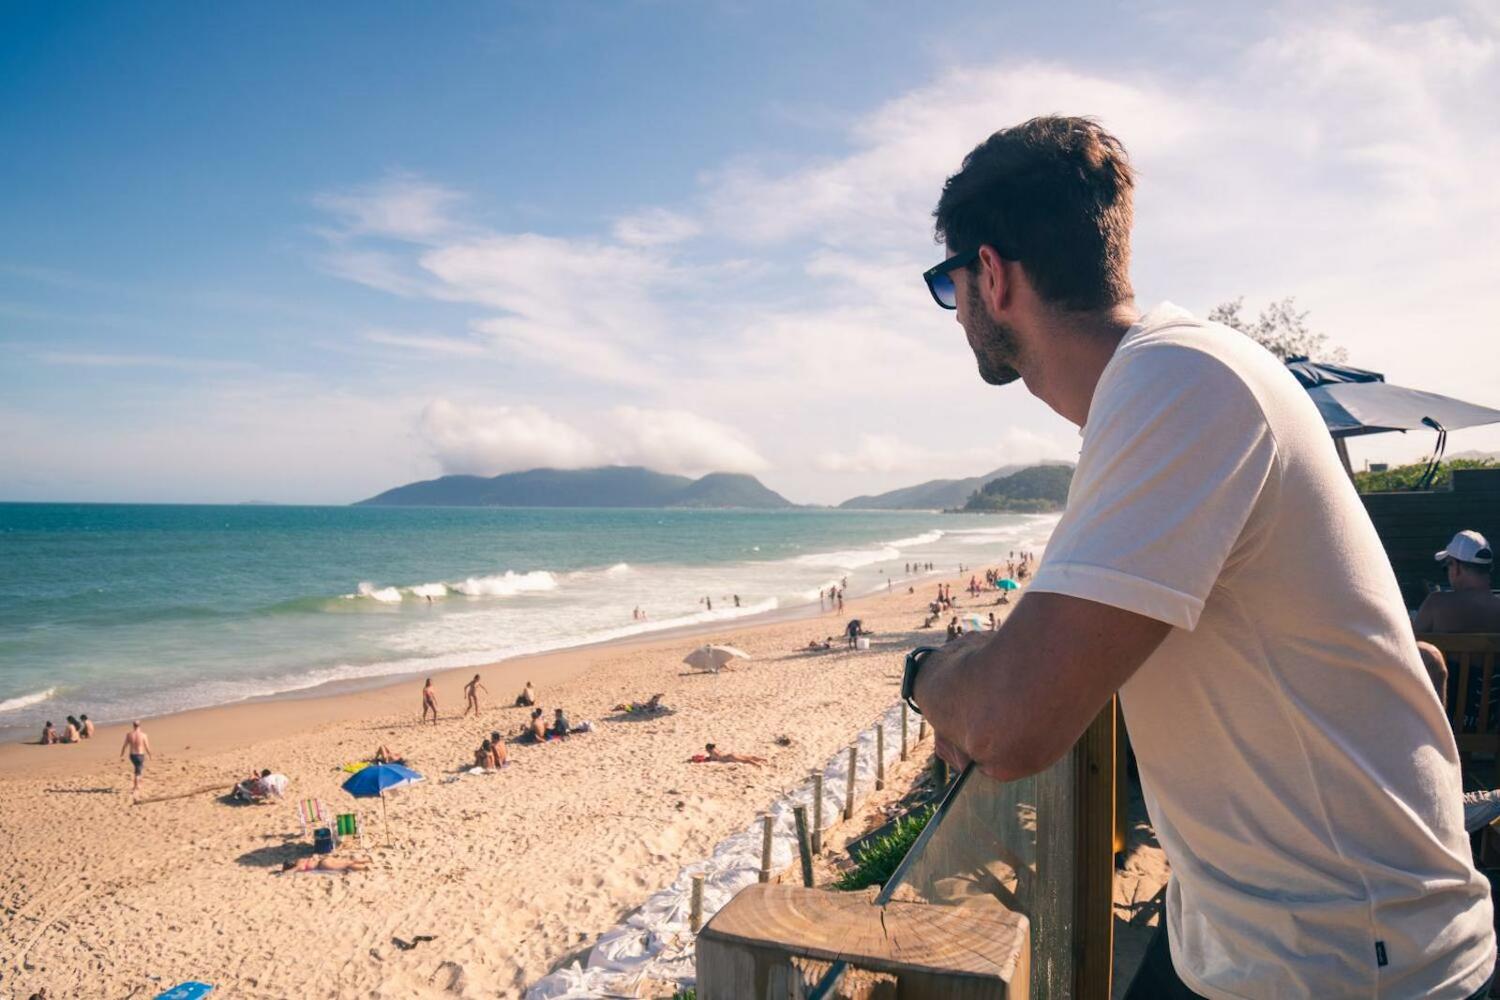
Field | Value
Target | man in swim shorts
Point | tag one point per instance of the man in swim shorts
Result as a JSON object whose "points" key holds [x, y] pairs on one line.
{"points": [[139, 748]]}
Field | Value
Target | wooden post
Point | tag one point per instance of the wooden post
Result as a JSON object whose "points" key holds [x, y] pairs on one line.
{"points": [[904, 713], [849, 790], [1094, 853], [765, 848], [695, 920], [921, 728], [879, 756], [804, 846], [817, 816]]}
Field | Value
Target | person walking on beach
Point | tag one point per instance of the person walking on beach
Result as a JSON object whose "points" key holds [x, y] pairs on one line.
{"points": [[471, 696], [138, 746], [429, 701], [1215, 567]]}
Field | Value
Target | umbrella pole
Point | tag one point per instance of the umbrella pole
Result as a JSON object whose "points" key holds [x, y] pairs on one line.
{"points": [[1343, 450], [385, 825]]}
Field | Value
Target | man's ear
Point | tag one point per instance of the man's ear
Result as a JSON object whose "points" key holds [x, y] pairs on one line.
{"points": [[994, 281]]}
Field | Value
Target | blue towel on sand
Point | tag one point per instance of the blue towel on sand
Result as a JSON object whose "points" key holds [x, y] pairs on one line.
{"points": [[191, 990]]}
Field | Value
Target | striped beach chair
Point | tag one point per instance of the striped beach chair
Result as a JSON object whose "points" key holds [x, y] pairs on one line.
{"points": [[311, 813], [347, 825]]}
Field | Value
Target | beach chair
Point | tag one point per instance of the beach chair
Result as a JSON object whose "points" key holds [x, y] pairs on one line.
{"points": [[347, 825], [1473, 689], [311, 814]]}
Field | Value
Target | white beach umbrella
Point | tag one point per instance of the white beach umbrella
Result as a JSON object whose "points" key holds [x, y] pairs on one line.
{"points": [[713, 658]]}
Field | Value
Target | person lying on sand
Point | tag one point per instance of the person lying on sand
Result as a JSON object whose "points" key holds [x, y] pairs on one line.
{"points": [[820, 646], [652, 704], [385, 755], [712, 755], [324, 863]]}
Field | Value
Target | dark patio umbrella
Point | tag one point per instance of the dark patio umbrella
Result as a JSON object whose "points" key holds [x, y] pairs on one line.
{"points": [[1353, 401]]}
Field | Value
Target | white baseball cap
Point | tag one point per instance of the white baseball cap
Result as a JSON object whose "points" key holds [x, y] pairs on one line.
{"points": [[1469, 547]]}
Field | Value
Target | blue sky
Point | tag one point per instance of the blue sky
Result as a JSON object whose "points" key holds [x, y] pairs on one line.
{"points": [[306, 252]]}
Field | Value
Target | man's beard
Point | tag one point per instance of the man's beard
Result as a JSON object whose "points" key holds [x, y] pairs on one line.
{"points": [[994, 344]]}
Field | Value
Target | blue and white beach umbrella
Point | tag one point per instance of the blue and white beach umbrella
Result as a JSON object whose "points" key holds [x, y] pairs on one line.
{"points": [[374, 781]]}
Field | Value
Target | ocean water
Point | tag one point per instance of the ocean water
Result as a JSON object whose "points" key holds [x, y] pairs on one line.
{"points": [[122, 611]]}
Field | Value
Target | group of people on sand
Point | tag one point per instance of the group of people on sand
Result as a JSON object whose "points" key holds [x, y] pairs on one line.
{"points": [[77, 729]]}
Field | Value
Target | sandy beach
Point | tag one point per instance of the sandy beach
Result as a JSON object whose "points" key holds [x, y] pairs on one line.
{"points": [[511, 873]]}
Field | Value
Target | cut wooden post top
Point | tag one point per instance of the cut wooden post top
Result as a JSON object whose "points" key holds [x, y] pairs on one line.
{"points": [[977, 940]]}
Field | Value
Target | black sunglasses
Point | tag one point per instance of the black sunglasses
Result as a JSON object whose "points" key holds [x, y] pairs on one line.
{"points": [[940, 279]]}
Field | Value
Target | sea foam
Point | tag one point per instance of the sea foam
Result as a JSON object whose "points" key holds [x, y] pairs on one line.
{"points": [[26, 700]]}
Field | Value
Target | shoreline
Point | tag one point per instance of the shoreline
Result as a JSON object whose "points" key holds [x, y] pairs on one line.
{"points": [[219, 727]]}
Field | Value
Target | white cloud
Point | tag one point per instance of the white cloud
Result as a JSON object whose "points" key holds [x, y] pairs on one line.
{"points": [[400, 207], [874, 453], [654, 227], [488, 440], [678, 441], [885, 454], [429, 344]]}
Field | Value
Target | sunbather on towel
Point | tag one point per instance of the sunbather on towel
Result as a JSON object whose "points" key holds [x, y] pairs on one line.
{"points": [[385, 755], [324, 863], [712, 755], [652, 704]]}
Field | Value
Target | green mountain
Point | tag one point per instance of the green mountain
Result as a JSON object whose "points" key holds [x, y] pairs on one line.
{"points": [[936, 494], [1038, 489], [610, 486], [728, 489]]}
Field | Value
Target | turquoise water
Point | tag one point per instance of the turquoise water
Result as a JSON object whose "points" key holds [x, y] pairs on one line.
{"points": [[130, 610]]}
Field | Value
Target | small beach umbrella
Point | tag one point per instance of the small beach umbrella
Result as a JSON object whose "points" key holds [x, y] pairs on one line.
{"points": [[1006, 583], [976, 623], [713, 658], [374, 781]]}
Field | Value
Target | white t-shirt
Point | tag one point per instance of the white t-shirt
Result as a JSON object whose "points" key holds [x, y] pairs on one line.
{"points": [[274, 784], [1296, 762]]}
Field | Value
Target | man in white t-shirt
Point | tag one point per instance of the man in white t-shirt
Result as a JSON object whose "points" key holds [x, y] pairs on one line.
{"points": [[1216, 568]]}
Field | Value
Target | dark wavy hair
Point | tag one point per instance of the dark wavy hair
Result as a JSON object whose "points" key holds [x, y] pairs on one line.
{"points": [[1054, 194]]}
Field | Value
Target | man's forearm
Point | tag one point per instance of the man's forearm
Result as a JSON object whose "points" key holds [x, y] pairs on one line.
{"points": [[1015, 700]]}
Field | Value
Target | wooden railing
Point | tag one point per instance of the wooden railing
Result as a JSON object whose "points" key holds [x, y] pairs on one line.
{"points": [[1012, 897]]}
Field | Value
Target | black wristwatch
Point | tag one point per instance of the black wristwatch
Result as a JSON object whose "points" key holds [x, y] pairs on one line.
{"points": [[909, 677]]}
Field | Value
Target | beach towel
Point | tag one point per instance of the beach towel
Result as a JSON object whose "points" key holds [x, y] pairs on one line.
{"points": [[190, 990], [355, 766]]}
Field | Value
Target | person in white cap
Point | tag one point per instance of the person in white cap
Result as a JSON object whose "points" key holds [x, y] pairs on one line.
{"points": [[1470, 606]]}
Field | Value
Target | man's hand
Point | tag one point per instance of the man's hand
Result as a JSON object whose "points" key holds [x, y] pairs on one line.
{"points": [[1015, 700]]}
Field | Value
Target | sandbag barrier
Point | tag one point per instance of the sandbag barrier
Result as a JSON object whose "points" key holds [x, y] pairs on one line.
{"points": [[656, 941]]}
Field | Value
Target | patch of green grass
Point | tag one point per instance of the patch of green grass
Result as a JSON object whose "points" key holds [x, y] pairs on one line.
{"points": [[691, 993], [878, 861]]}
